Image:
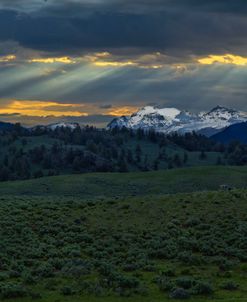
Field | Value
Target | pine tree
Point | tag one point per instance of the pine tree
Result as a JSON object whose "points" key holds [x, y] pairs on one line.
{"points": [[91, 146], [185, 157], [129, 156], [156, 164], [138, 153], [4, 174], [122, 166], [219, 161], [202, 155], [177, 161], [6, 161], [76, 164]]}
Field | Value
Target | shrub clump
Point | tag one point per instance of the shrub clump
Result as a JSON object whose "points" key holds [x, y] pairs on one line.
{"points": [[230, 285], [13, 290], [203, 288], [179, 293], [186, 282], [164, 283], [67, 291]]}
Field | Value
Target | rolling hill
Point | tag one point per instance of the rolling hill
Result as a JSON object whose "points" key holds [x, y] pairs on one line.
{"points": [[108, 185], [122, 237]]}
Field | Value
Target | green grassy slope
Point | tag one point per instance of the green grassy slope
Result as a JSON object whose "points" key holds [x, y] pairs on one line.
{"points": [[131, 184], [133, 249], [120, 237]]}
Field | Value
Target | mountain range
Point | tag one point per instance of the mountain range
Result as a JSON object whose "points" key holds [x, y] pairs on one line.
{"points": [[170, 120], [221, 124], [236, 132], [71, 126]]}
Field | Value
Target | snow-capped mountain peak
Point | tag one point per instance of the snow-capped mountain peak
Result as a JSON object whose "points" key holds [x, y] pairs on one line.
{"points": [[144, 111], [150, 113], [169, 113], [220, 112], [168, 120], [55, 126]]}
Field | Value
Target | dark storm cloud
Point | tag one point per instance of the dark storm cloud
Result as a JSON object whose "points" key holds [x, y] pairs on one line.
{"points": [[175, 27], [237, 6], [105, 106], [181, 30]]}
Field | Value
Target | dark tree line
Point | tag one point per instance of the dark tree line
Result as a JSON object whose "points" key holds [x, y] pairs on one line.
{"points": [[89, 149]]}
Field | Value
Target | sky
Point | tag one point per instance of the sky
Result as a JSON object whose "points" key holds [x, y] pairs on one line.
{"points": [[89, 61]]}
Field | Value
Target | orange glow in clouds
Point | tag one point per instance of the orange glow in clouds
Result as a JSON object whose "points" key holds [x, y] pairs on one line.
{"points": [[225, 59], [52, 108], [7, 58], [40, 108], [120, 111], [63, 60]]}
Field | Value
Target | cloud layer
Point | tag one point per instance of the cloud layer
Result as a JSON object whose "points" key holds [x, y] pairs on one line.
{"points": [[122, 54]]}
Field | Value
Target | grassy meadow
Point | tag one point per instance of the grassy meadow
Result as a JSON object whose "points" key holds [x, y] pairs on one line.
{"points": [[154, 236], [105, 185]]}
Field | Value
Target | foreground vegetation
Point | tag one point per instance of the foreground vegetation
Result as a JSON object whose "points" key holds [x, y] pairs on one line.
{"points": [[101, 237]]}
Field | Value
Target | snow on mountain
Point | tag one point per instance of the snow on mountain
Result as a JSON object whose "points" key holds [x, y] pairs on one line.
{"points": [[169, 120], [55, 126], [72, 126]]}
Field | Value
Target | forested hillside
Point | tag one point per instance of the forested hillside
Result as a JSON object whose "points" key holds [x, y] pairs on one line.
{"points": [[41, 152]]}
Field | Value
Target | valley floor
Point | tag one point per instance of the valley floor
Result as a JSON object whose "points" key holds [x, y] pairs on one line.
{"points": [[125, 237]]}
